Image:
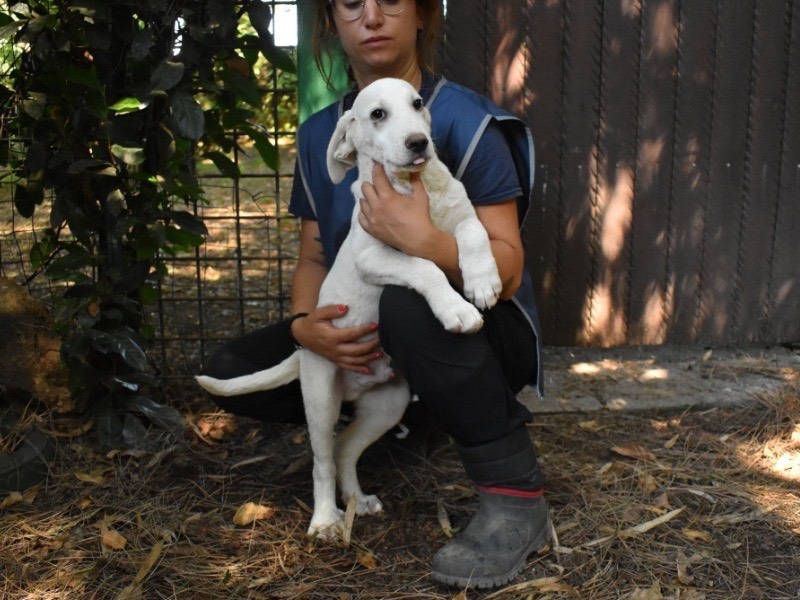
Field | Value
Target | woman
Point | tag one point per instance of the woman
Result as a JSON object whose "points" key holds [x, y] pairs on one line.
{"points": [[467, 382]]}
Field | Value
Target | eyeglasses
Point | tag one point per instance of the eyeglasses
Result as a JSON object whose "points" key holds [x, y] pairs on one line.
{"points": [[350, 10]]}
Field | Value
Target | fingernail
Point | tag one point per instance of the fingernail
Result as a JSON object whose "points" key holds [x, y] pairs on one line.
{"points": [[341, 307], [379, 355], [373, 327]]}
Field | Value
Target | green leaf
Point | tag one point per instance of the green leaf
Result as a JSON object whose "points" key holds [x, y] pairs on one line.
{"points": [[24, 201], [41, 251], [279, 59], [84, 77], [84, 164], [187, 116], [164, 417], [167, 75], [243, 88], [149, 295], [128, 105], [118, 341], [10, 29], [183, 240], [130, 156], [268, 152], [225, 165], [70, 264], [189, 222]]}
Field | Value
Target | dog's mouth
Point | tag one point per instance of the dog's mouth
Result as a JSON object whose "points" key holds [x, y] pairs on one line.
{"points": [[416, 164]]}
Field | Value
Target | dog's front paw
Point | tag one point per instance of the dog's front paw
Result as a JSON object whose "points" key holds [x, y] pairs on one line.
{"points": [[461, 318], [328, 528], [483, 292]]}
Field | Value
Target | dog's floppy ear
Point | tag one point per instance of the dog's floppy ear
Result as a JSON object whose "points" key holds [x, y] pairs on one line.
{"points": [[341, 155]]}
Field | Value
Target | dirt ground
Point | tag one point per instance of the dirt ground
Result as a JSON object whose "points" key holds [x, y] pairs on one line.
{"points": [[672, 473]]}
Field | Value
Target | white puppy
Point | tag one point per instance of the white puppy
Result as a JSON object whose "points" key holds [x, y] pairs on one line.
{"points": [[388, 124]]}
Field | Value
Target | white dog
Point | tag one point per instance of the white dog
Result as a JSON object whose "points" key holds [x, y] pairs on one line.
{"points": [[388, 124]]}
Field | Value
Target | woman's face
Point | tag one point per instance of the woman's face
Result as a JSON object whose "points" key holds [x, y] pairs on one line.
{"points": [[379, 45]]}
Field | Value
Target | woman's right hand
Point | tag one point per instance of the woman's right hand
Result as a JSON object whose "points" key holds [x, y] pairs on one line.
{"points": [[350, 348]]}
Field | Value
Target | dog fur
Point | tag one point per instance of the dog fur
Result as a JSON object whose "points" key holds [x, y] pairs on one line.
{"points": [[387, 124]]}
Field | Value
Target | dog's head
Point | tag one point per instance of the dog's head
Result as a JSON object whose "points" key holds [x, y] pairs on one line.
{"points": [[388, 124]]}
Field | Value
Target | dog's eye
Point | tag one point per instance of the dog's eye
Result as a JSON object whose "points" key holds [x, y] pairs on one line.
{"points": [[418, 104], [378, 114]]}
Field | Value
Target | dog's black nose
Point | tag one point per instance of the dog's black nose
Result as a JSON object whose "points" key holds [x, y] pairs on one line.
{"points": [[417, 142]]}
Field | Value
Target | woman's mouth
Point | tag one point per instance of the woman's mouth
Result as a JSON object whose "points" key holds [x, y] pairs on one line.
{"points": [[375, 41]]}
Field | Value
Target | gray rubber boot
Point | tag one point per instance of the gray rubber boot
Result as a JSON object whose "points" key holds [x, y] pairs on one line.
{"points": [[512, 519], [494, 547]]}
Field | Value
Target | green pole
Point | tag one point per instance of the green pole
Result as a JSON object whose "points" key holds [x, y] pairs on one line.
{"points": [[312, 91]]}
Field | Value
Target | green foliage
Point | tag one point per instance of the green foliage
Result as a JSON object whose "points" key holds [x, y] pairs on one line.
{"points": [[115, 100]]}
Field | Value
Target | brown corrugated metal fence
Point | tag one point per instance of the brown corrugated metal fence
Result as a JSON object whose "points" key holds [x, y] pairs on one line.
{"points": [[667, 197]]}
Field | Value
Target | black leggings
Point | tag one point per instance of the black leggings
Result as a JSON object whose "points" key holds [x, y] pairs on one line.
{"points": [[468, 382]]}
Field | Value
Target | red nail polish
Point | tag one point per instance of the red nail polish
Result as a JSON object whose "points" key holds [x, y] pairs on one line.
{"points": [[373, 327], [379, 355], [341, 308]]}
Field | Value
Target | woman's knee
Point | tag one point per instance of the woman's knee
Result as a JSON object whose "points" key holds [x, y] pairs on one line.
{"points": [[403, 315]]}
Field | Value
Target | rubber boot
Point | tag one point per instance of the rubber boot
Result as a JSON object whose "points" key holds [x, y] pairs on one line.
{"points": [[512, 520]]}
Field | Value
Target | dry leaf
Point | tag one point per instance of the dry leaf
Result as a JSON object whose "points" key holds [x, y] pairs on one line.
{"points": [[590, 426], [112, 539], [694, 535], [97, 476], [635, 451], [653, 593], [544, 584], [250, 511], [12, 499], [669, 444], [460, 596], [149, 562], [684, 569], [647, 484], [366, 559], [444, 518]]}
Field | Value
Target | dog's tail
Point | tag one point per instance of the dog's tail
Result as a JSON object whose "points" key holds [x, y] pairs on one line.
{"points": [[268, 379]]}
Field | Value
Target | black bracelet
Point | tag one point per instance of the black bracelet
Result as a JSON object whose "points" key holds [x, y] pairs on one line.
{"points": [[289, 322]]}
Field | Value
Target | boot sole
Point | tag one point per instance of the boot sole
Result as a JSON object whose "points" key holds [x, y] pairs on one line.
{"points": [[485, 583]]}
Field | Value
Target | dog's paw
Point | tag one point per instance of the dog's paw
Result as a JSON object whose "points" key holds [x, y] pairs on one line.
{"points": [[368, 505], [329, 528], [461, 318], [483, 292]]}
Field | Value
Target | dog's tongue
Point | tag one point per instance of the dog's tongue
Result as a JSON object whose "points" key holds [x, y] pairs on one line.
{"points": [[419, 161]]}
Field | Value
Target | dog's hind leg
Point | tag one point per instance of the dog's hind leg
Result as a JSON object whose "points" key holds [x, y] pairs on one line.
{"points": [[377, 411], [322, 398]]}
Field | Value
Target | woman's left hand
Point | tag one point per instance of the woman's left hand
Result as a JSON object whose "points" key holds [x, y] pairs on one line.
{"points": [[396, 219]]}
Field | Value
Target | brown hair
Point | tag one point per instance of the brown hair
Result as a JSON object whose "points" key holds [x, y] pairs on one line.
{"points": [[324, 43]]}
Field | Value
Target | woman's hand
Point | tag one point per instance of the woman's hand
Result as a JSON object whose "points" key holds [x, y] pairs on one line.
{"points": [[351, 348]]}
